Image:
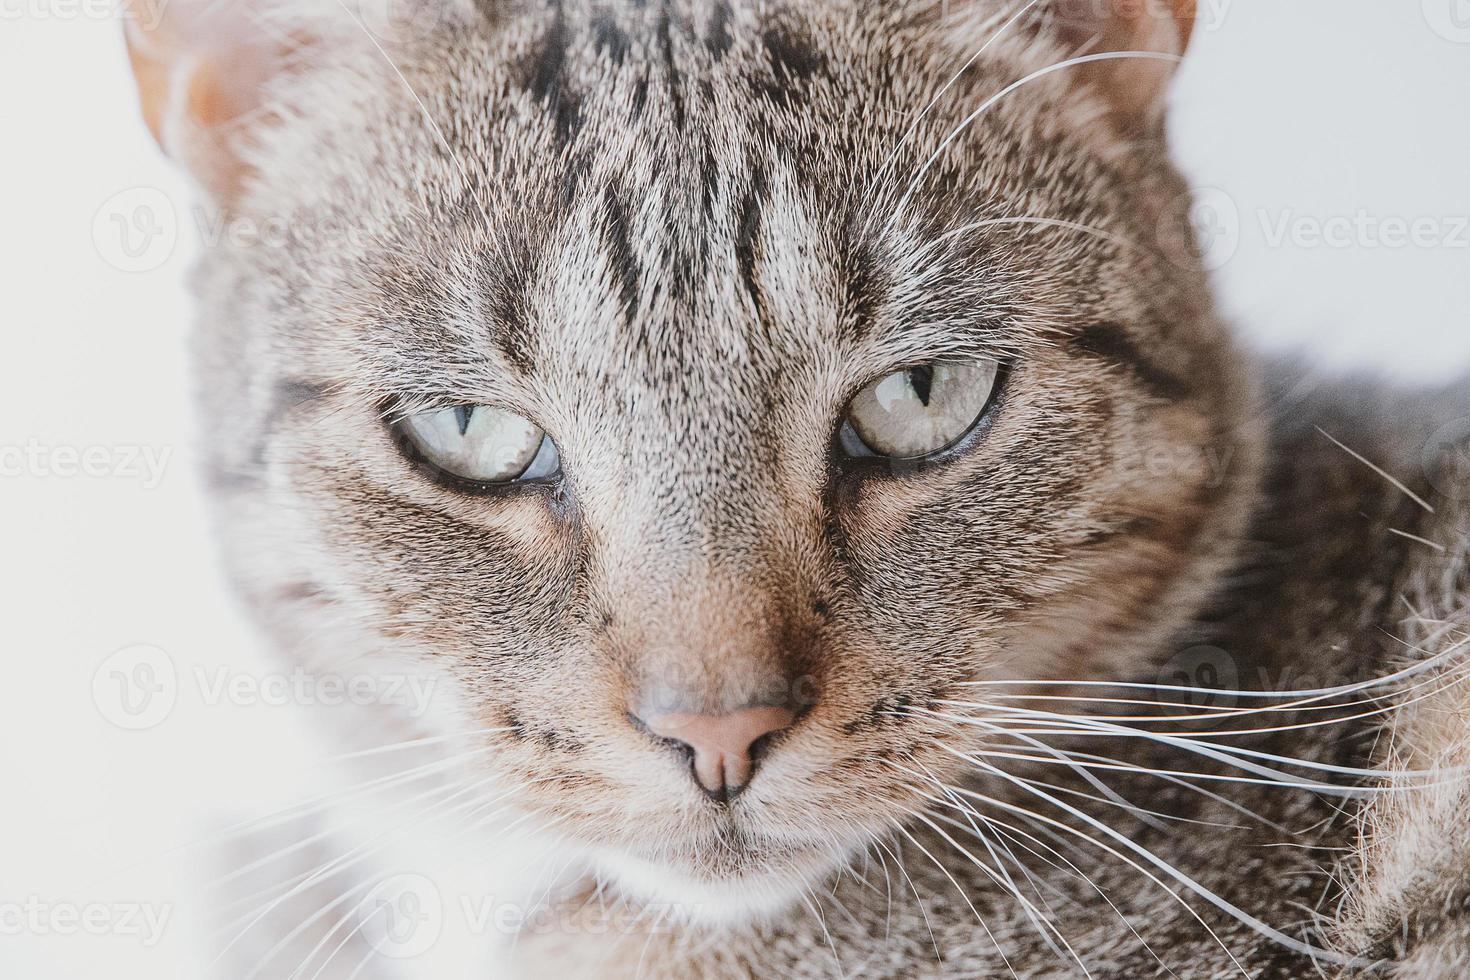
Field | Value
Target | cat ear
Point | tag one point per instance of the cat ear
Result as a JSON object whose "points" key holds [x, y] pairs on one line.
{"points": [[202, 69], [1139, 44], [1130, 48]]}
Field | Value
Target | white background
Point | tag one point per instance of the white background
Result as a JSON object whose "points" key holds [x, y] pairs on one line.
{"points": [[1297, 111]]}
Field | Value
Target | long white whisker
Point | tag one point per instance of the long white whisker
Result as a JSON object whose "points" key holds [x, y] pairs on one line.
{"points": [[1002, 826], [923, 113], [1037, 222], [357, 854], [990, 102], [1386, 709], [959, 889], [1397, 483], [1306, 696], [1043, 924], [1234, 911], [1066, 829], [918, 900], [1235, 755]]}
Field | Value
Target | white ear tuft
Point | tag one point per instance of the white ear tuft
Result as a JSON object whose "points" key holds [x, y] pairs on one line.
{"points": [[202, 70]]}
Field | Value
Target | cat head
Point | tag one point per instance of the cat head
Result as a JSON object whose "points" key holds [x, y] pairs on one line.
{"points": [[715, 395]]}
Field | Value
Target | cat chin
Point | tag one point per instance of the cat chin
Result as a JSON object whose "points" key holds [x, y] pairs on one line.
{"points": [[704, 897]]}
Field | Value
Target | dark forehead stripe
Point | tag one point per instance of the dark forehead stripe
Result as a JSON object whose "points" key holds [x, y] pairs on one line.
{"points": [[505, 302], [792, 56], [863, 284], [793, 60], [610, 38], [747, 238], [717, 39], [618, 242], [668, 56], [674, 77], [1109, 342], [546, 71]]}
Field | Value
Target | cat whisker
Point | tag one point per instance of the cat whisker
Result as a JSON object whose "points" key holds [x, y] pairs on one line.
{"points": [[652, 934], [1307, 695], [1151, 818], [316, 804], [355, 856], [363, 920], [323, 871], [869, 848], [1040, 922], [1027, 814], [996, 98], [812, 904], [1138, 849], [1025, 221], [918, 899], [923, 113], [1148, 817], [346, 938], [311, 920], [1264, 775], [413, 743], [418, 101], [1414, 537], [1394, 481], [1397, 705], [959, 889], [362, 924], [999, 825], [296, 811], [1105, 763], [1233, 755]]}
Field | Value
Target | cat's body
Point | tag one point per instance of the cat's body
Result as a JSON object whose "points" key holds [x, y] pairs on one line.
{"points": [[684, 238]]}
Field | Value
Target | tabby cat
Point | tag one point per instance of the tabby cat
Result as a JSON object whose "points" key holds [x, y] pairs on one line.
{"points": [[796, 438]]}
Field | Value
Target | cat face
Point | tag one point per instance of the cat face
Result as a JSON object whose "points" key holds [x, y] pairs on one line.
{"points": [[719, 271]]}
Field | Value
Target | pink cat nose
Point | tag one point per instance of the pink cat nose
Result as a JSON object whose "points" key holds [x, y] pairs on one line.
{"points": [[724, 746]]}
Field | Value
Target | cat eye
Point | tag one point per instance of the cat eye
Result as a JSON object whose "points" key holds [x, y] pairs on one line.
{"points": [[920, 410], [479, 445]]}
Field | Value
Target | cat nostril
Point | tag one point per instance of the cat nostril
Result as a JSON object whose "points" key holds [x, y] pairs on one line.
{"points": [[724, 748]]}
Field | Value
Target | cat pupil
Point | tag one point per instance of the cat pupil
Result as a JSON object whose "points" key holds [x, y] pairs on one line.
{"points": [[921, 379], [462, 415]]}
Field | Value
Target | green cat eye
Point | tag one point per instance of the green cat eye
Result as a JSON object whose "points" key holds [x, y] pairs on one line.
{"points": [[918, 411], [479, 445]]}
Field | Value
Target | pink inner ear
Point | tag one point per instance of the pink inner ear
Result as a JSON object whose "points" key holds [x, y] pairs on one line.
{"points": [[201, 72], [1135, 86], [1162, 26]]}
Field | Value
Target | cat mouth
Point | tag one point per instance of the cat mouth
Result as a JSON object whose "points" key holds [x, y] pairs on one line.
{"points": [[737, 883]]}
